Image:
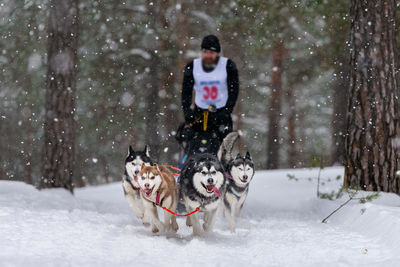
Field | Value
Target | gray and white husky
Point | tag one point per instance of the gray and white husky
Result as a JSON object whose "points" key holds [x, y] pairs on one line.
{"points": [[133, 165], [201, 185], [239, 171]]}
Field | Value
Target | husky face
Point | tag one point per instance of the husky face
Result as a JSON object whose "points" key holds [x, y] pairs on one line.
{"points": [[149, 179], [242, 169], [208, 179], [134, 161]]}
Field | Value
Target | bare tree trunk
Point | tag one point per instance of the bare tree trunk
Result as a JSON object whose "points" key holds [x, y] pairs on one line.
{"points": [[183, 43], [238, 54], [170, 122], [301, 162], [292, 127], [28, 154], [338, 122], [152, 116], [372, 118], [59, 125], [275, 107]]}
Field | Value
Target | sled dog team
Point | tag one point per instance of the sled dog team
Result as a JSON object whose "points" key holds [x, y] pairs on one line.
{"points": [[204, 182]]}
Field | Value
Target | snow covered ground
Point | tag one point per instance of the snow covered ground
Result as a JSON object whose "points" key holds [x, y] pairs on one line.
{"points": [[280, 226]]}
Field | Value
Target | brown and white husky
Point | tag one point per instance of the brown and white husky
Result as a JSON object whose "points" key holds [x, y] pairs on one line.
{"points": [[158, 188]]}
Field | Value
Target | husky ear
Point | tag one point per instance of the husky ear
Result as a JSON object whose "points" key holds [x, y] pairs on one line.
{"points": [[238, 156], [143, 165], [147, 150], [156, 165], [248, 155], [130, 150]]}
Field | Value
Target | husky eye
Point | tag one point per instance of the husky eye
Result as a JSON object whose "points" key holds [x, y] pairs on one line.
{"points": [[240, 168], [213, 172], [152, 177], [203, 172]]}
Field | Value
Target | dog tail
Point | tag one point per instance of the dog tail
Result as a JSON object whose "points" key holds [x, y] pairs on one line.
{"points": [[225, 150]]}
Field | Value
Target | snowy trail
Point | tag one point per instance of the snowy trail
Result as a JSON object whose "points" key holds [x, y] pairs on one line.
{"points": [[280, 226]]}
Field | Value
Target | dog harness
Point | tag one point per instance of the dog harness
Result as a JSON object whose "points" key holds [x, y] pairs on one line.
{"points": [[236, 195], [158, 202], [227, 175], [158, 196]]}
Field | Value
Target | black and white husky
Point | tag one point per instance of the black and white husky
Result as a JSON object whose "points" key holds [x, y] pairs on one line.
{"points": [[133, 165], [201, 185], [239, 171]]}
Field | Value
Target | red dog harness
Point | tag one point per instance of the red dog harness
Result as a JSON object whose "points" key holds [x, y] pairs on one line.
{"points": [[158, 201]]}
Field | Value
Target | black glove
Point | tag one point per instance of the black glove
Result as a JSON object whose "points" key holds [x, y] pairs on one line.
{"points": [[190, 116], [184, 134]]}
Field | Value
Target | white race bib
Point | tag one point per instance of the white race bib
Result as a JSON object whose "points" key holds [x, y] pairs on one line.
{"points": [[211, 87]]}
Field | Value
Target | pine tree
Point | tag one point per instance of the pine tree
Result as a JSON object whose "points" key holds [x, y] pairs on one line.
{"points": [[59, 125], [372, 117]]}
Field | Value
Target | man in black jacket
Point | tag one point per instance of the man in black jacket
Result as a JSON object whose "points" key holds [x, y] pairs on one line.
{"points": [[216, 84]]}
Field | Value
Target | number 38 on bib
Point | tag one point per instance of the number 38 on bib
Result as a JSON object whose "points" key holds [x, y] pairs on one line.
{"points": [[211, 87]]}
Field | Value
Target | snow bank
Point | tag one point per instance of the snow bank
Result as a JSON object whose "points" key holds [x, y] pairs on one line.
{"points": [[280, 226]]}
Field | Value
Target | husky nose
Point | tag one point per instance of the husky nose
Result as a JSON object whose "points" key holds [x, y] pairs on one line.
{"points": [[146, 185], [245, 177], [136, 172], [210, 180]]}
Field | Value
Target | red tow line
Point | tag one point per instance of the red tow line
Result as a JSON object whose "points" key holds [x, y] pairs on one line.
{"points": [[175, 168], [170, 211]]}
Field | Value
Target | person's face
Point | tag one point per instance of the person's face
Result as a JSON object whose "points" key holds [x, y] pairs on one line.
{"points": [[209, 57]]}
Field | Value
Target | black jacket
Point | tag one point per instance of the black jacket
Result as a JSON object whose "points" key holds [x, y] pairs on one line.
{"points": [[221, 115]]}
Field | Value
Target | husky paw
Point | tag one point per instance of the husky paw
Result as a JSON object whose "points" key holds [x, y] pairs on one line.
{"points": [[167, 227], [175, 227], [188, 222], [161, 228], [206, 227], [154, 229], [146, 221], [196, 231]]}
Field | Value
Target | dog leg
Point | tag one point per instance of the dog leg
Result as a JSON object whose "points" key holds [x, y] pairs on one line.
{"points": [[188, 222], [210, 219], [239, 210], [133, 199], [167, 221], [156, 224], [170, 222], [229, 210], [205, 217], [146, 216], [194, 218], [175, 226], [136, 205]]}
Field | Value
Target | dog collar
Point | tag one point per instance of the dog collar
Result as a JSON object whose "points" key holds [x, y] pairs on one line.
{"points": [[227, 175], [236, 195], [159, 201]]}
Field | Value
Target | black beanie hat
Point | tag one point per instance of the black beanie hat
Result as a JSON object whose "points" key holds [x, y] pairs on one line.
{"points": [[211, 42]]}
